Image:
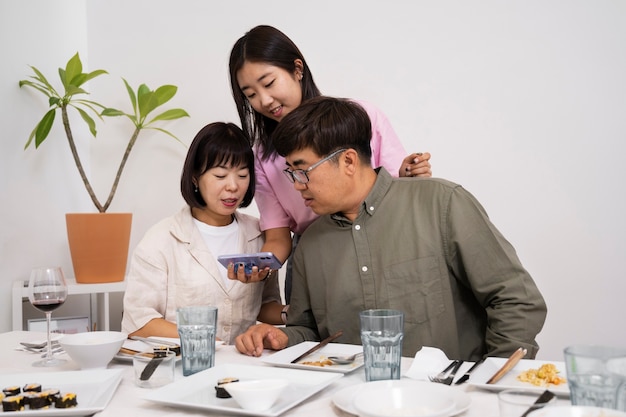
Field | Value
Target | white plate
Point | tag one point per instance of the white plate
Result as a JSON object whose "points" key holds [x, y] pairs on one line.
{"points": [[284, 357], [140, 346], [485, 371], [576, 411], [197, 391], [343, 399], [93, 389]]}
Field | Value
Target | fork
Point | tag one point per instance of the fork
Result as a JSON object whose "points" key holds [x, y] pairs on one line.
{"points": [[447, 380]]}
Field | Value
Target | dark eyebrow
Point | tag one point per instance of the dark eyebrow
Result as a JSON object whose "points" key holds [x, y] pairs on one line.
{"points": [[260, 79], [296, 163]]}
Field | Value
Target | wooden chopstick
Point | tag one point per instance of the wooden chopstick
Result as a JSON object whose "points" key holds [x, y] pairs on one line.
{"points": [[318, 346], [508, 365]]}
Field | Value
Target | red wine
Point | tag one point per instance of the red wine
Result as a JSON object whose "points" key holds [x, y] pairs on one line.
{"points": [[47, 305]]}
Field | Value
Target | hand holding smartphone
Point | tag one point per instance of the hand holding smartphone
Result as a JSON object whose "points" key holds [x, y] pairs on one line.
{"points": [[259, 259]]}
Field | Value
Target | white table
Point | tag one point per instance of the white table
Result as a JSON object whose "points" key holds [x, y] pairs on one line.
{"points": [[128, 400]]}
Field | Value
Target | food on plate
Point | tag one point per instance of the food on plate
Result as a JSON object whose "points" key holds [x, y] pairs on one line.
{"points": [[546, 375], [37, 400], [10, 391], [13, 403], [32, 397], [32, 388], [67, 400], [220, 392], [322, 362]]}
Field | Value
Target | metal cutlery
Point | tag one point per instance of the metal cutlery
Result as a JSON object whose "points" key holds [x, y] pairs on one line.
{"points": [[344, 360], [318, 346], [543, 398], [466, 375], [39, 345], [448, 379], [508, 365]]}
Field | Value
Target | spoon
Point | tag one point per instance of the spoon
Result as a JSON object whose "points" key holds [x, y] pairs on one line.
{"points": [[344, 360]]}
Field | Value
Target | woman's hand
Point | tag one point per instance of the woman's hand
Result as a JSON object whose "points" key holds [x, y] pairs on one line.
{"points": [[416, 165], [240, 275]]}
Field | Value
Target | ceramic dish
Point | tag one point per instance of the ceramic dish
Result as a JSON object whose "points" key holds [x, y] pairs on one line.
{"points": [[485, 371], [343, 399], [576, 411], [284, 357], [93, 389], [141, 346], [197, 391]]}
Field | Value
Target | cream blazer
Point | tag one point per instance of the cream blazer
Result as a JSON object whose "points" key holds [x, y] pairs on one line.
{"points": [[172, 267]]}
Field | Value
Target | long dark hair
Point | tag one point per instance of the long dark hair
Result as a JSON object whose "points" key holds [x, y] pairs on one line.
{"points": [[268, 45], [216, 144]]}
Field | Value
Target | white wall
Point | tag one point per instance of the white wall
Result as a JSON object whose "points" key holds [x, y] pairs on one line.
{"points": [[522, 102]]}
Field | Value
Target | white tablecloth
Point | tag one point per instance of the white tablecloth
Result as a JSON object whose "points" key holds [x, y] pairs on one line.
{"points": [[128, 397]]}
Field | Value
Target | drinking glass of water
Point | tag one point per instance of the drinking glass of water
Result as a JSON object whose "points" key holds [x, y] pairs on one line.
{"points": [[196, 328], [382, 332]]}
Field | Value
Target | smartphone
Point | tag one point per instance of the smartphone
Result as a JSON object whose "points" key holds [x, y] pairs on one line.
{"points": [[260, 259]]}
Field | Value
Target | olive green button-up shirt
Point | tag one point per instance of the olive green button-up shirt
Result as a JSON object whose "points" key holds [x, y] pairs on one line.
{"points": [[425, 247]]}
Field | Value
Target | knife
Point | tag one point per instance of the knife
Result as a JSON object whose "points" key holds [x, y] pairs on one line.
{"points": [[466, 375], [543, 399], [318, 346], [508, 365]]}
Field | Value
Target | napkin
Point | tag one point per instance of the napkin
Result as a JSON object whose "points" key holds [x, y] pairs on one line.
{"points": [[428, 361]]}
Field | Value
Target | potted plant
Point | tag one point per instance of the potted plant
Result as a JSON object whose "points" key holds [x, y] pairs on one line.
{"points": [[99, 266]]}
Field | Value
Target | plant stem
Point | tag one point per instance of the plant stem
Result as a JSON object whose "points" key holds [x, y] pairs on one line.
{"points": [[118, 175], [79, 165]]}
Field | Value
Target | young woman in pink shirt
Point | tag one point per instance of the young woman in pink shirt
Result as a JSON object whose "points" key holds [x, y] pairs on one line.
{"points": [[269, 78]]}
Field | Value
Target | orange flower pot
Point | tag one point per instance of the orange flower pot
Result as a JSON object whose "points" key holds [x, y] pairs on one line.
{"points": [[99, 245]]}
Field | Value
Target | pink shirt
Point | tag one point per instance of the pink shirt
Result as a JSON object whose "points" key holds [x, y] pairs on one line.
{"points": [[280, 205]]}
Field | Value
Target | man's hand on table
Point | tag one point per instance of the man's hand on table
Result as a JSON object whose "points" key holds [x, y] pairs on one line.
{"points": [[259, 337]]}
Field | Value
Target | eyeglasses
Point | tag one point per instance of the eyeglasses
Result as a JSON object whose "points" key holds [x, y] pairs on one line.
{"points": [[301, 175]]}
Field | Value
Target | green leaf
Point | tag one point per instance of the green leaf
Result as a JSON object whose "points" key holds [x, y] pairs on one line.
{"points": [[44, 126], [148, 101], [73, 69], [94, 74], [40, 77], [166, 132], [36, 86], [165, 93], [30, 137], [131, 94], [72, 90], [172, 114], [112, 112], [88, 120]]}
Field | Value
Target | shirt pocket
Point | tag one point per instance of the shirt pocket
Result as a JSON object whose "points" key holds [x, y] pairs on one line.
{"points": [[415, 287]]}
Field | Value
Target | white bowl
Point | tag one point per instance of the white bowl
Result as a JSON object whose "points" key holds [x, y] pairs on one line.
{"points": [[576, 411], [394, 398], [256, 395], [91, 350]]}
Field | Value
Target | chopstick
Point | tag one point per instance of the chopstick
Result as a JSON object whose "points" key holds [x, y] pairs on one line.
{"points": [[318, 346], [158, 342], [508, 365]]}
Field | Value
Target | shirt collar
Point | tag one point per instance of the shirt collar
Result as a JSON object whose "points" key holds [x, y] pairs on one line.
{"points": [[373, 199]]}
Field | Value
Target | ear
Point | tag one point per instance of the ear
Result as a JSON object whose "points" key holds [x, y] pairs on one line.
{"points": [[299, 68], [349, 161]]}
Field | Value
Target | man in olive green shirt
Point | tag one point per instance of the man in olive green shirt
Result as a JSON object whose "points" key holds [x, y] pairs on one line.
{"points": [[422, 246]]}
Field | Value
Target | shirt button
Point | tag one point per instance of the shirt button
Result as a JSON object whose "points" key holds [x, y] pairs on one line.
{"points": [[371, 208], [364, 268], [357, 227]]}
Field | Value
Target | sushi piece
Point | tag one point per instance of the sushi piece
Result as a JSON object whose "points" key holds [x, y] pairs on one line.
{"points": [[37, 400], [31, 388], [11, 391], [220, 392], [67, 400], [13, 403], [52, 393]]}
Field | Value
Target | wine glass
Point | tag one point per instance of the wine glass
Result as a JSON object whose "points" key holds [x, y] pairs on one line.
{"points": [[47, 290]]}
